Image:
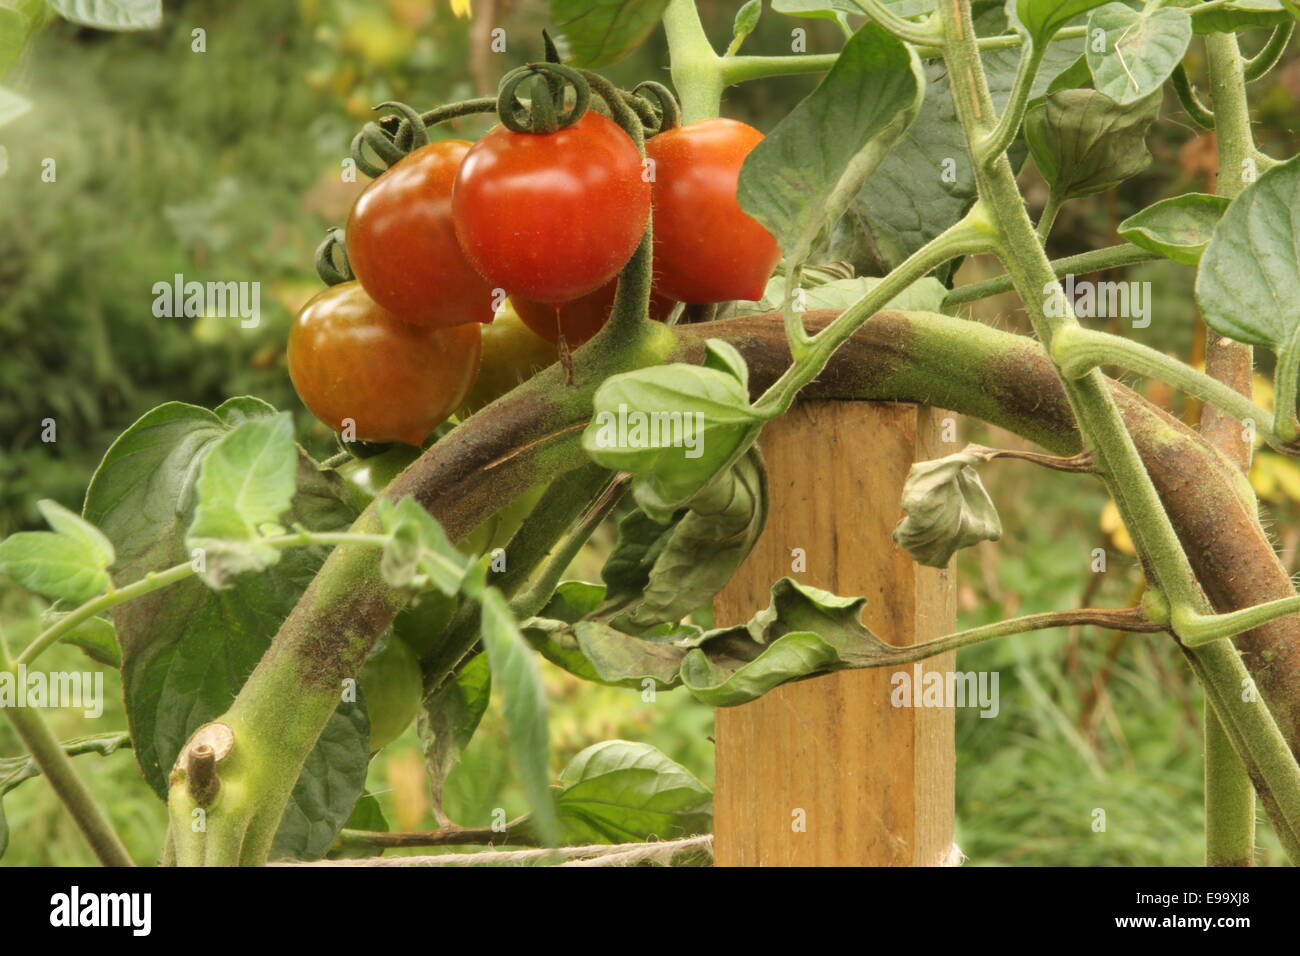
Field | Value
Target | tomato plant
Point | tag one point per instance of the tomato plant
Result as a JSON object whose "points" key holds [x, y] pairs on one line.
{"points": [[352, 361], [552, 216], [402, 244], [707, 249], [240, 583]]}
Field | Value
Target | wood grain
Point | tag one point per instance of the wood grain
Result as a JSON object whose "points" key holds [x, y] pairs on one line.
{"points": [[872, 783]]}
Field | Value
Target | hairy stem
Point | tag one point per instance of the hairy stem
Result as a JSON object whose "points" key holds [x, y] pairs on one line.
{"points": [[1082, 264], [1256, 736], [68, 786], [1229, 796]]}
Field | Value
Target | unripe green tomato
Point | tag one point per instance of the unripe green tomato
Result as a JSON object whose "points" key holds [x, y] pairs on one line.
{"points": [[512, 353], [497, 531], [367, 477], [421, 623], [391, 683]]}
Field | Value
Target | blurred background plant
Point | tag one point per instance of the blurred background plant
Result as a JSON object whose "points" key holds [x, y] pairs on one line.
{"points": [[225, 165]]}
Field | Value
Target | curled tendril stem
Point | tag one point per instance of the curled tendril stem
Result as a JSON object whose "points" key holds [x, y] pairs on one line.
{"points": [[330, 272], [546, 112], [391, 137], [668, 109], [619, 110]]}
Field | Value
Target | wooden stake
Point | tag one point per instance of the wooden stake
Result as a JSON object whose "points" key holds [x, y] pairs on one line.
{"points": [[826, 772]]}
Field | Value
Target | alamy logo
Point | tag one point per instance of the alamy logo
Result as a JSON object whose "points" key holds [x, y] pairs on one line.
{"points": [[637, 429], [75, 908], [922, 688], [78, 689], [181, 299], [1099, 300]]}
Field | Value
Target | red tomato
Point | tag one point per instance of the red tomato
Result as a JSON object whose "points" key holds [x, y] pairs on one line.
{"points": [[402, 244], [707, 249], [551, 217], [350, 359], [581, 318]]}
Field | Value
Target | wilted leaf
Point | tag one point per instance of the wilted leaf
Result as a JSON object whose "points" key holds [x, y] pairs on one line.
{"points": [[947, 509]]}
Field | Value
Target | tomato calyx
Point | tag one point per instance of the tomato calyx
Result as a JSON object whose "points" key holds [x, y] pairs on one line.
{"points": [[546, 111]]}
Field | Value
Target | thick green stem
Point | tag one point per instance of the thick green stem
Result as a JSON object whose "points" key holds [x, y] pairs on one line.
{"points": [[1077, 351], [1082, 264], [969, 236], [696, 66], [68, 786], [1125, 619], [1229, 795], [995, 144], [1254, 734]]}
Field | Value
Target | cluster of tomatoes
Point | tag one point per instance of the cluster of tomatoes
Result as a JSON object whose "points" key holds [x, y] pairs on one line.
{"points": [[439, 240]]}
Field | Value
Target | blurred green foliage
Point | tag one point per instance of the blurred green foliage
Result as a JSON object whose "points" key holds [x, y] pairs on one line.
{"points": [[224, 165]]}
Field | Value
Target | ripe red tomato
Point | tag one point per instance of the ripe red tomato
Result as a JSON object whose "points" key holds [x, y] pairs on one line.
{"points": [[402, 244], [707, 249], [582, 318], [551, 217], [350, 359]]}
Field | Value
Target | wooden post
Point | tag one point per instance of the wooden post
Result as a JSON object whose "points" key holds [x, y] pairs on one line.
{"points": [[826, 772]]}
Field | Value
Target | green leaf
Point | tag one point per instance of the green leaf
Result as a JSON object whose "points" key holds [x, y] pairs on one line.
{"points": [[1179, 228], [246, 482], [674, 427], [600, 32], [72, 525], [1138, 49], [947, 509], [13, 36], [1235, 16], [111, 14], [187, 649], [14, 770], [449, 718], [71, 564], [573, 600], [746, 20], [367, 815], [927, 183], [1250, 271], [838, 9], [1076, 77], [420, 556], [1085, 143], [12, 105], [618, 791], [600, 653], [725, 357], [332, 781], [806, 171], [96, 636], [53, 565], [804, 631], [516, 675], [704, 548], [924, 295], [1042, 18]]}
